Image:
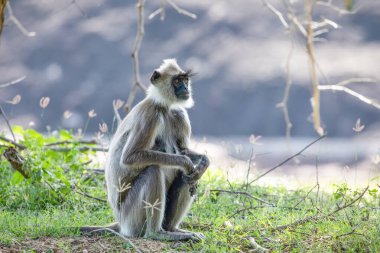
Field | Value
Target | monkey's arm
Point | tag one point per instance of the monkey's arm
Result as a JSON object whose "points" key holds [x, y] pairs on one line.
{"points": [[144, 158], [137, 154]]}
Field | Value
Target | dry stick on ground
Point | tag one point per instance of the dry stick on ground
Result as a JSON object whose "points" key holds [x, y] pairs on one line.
{"points": [[20, 146], [135, 57], [84, 148], [287, 160], [120, 235], [318, 217], [83, 193], [16, 81], [307, 194], [242, 193], [70, 142], [7, 121], [16, 160]]}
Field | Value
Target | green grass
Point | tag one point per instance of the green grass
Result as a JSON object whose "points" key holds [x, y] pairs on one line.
{"points": [[227, 220]]}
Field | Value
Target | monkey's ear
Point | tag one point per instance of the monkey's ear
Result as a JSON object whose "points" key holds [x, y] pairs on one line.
{"points": [[155, 76]]}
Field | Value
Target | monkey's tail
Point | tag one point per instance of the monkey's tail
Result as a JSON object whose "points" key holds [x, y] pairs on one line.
{"points": [[99, 230]]}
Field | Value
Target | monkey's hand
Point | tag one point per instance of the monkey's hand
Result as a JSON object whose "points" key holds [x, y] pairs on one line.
{"points": [[192, 179], [188, 166], [200, 168]]}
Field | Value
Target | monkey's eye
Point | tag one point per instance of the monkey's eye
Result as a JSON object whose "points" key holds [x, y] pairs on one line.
{"points": [[186, 80], [176, 81]]}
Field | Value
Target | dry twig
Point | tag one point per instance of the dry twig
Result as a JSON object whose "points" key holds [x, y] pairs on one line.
{"points": [[2, 112], [3, 3], [318, 217], [181, 10], [335, 8], [135, 57], [83, 148], [19, 25], [313, 68], [277, 13], [288, 159], [83, 193], [20, 146], [351, 92], [70, 142], [242, 193], [12, 82]]}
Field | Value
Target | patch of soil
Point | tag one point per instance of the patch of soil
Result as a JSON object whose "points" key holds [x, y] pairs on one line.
{"points": [[84, 244]]}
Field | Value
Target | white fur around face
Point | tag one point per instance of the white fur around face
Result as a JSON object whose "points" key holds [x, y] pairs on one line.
{"points": [[170, 66], [154, 94]]}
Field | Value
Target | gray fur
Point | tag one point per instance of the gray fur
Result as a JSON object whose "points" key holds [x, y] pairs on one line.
{"points": [[149, 160]]}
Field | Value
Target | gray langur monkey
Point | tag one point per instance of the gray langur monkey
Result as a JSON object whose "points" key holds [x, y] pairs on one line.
{"points": [[151, 173]]}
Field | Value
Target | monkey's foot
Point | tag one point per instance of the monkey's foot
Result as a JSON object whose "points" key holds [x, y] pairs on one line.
{"points": [[173, 236], [198, 235]]}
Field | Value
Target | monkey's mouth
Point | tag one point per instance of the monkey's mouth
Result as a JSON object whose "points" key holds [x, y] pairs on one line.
{"points": [[184, 96]]}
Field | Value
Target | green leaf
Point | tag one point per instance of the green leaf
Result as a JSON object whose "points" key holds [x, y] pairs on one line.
{"points": [[18, 130], [65, 135], [17, 178]]}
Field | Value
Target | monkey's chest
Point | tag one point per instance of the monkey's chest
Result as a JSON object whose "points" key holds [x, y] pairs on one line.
{"points": [[166, 139], [165, 144]]}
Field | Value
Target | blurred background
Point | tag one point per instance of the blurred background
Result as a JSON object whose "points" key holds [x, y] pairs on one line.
{"points": [[80, 59]]}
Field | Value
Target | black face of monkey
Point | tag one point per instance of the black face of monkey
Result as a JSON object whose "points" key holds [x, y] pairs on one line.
{"points": [[181, 86]]}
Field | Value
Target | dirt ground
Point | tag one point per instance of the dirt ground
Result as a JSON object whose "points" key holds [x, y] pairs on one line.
{"points": [[84, 244]]}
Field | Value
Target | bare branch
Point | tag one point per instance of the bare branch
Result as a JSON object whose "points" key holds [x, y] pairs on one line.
{"points": [[243, 193], [298, 24], [19, 25], [356, 80], [84, 148], [313, 69], [160, 11], [70, 142], [135, 56], [318, 217], [20, 146], [16, 81], [288, 159], [7, 121], [335, 8], [83, 193], [3, 3], [277, 13], [352, 93], [181, 11], [284, 103]]}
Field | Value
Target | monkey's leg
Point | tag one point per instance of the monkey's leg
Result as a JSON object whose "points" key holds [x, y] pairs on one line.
{"points": [[142, 211], [136, 217], [178, 201]]}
